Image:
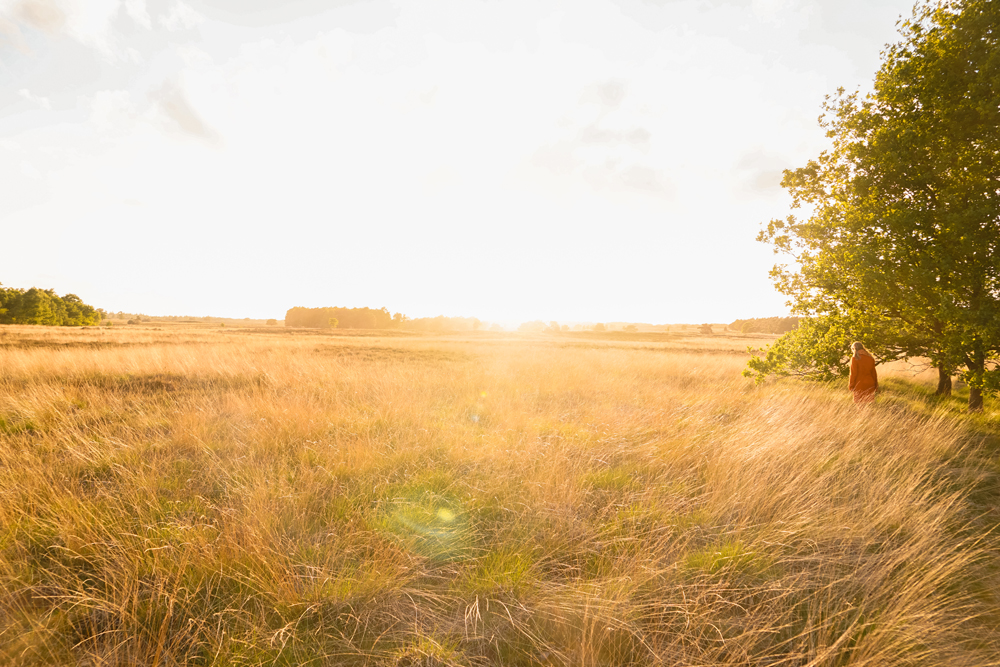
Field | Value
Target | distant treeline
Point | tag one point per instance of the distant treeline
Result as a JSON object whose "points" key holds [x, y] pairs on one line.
{"points": [[370, 318], [121, 315], [773, 325], [186, 319], [342, 318], [44, 306]]}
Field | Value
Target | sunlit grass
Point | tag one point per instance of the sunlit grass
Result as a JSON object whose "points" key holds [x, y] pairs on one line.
{"points": [[197, 497]]}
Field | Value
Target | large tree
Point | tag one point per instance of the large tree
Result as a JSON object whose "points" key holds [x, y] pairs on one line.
{"points": [[903, 221]]}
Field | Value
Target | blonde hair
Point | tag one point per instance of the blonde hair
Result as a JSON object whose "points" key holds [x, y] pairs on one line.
{"points": [[857, 345]]}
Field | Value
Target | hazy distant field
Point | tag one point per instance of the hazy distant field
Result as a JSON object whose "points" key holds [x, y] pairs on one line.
{"points": [[200, 495]]}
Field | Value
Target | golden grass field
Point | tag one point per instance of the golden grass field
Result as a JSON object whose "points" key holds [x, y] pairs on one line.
{"points": [[203, 496]]}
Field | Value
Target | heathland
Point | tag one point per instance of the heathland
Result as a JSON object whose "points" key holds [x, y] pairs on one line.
{"points": [[179, 495]]}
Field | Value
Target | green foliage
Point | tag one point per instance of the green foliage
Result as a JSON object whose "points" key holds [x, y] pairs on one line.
{"points": [[38, 306], [904, 211], [812, 351], [819, 349]]}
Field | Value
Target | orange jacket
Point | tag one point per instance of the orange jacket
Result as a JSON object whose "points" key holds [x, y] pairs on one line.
{"points": [[864, 378]]}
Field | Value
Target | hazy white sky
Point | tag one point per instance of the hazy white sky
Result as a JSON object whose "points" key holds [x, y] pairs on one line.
{"points": [[589, 160]]}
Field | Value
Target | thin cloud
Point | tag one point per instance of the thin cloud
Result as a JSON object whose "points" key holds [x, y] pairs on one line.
{"points": [[42, 14], [10, 33], [606, 158], [634, 177], [43, 102], [370, 17], [89, 22], [137, 10], [608, 94], [638, 137], [181, 17], [759, 170], [567, 158], [174, 103], [644, 178], [558, 158]]}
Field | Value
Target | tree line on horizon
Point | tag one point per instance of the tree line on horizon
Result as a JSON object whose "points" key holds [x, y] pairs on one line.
{"points": [[44, 306], [377, 318], [442, 323], [342, 318], [771, 325]]}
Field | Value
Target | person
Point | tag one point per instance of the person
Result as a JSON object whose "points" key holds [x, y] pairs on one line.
{"points": [[864, 378]]}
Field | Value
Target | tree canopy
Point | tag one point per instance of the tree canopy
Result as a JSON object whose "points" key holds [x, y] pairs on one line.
{"points": [[899, 243], [44, 306]]}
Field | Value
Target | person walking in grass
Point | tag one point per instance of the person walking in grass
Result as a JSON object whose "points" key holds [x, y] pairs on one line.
{"points": [[864, 378]]}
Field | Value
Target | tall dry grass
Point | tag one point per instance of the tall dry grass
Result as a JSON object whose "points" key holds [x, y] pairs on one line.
{"points": [[239, 498]]}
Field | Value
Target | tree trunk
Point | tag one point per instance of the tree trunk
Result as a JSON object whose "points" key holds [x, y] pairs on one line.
{"points": [[975, 399], [944, 381], [978, 369]]}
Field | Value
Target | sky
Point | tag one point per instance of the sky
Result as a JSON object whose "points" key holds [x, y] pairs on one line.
{"points": [[567, 160]]}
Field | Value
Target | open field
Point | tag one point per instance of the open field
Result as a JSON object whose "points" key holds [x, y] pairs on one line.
{"points": [[197, 496]]}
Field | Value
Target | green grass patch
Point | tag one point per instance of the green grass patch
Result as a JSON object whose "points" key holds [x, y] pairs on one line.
{"points": [[730, 556], [15, 425], [500, 574], [427, 520]]}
